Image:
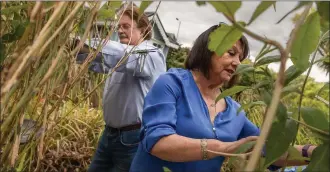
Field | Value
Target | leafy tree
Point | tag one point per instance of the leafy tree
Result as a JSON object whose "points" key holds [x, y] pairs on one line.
{"points": [[176, 57]]}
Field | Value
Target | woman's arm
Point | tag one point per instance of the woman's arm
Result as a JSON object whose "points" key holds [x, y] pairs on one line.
{"points": [[282, 161], [159, 135], [176, 148]]}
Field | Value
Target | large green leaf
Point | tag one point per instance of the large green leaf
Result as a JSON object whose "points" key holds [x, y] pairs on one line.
{"points": [[263, 6], [242, 68], [315, 118], [319, 159], [306, 41], [323, 9], [267, 60], [300, 4], [282, 133], [281, 111], [223, 38], [231, 91], [292, 73], [144, 5], [227, 7]]}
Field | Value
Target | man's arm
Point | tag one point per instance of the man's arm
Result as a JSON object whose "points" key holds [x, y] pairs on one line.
{"points": [[143, 61]]}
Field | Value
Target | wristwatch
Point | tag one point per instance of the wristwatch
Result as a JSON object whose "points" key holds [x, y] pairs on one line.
{"points": [[204, 149], [304, 151]]}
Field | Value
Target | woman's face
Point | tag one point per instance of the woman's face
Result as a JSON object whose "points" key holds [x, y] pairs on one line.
{"points": [[223, 67]]}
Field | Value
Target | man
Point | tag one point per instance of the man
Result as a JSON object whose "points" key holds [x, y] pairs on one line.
{"points": [[125, 90]]}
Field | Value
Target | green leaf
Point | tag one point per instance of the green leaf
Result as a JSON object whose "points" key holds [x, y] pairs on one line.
{"points": [[281, 111], [13, 9], [263, 6], [294, 154], [231, 91], [223, 38], [291, 88], [200, 3], [267, 60], [242, 68], [300, 4], [306, 41], [280, 136], [241, 149], [315, 118], [250, 105], [323, 9], [227, 7], [165, 169], [265, 47], [16, 35], [108, 10], [292, 73], [319, 159], [143, 6], [261, 84], [104, 14]]}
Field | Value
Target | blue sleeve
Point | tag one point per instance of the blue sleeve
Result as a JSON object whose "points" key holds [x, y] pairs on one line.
{"points": [[142, 62], [250, 129], [159, 112]]}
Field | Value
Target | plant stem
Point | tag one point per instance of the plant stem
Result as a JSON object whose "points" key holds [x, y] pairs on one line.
{"points": [[270, 114], [308, 126]]}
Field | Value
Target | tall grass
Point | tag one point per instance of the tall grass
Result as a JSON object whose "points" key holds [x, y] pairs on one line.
{"points": [[39, 78]]}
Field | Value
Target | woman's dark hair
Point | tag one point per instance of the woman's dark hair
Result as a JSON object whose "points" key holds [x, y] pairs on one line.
{"points": [[199, 58]]}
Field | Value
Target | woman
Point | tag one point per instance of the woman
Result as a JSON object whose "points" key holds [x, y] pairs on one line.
{"points": [[181, 120]]}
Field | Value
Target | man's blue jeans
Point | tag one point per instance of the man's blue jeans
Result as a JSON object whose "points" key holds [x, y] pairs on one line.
{"points": [[115, 151]]}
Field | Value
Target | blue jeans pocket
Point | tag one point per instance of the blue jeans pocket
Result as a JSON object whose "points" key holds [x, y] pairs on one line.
{"points": [[130, 138]]}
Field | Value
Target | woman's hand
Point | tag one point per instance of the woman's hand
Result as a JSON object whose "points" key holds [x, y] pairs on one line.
{"points": [[224, 148]]}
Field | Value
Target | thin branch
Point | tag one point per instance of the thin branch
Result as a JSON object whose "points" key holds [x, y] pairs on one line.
{"points": [[310, 127], [243, 155]]}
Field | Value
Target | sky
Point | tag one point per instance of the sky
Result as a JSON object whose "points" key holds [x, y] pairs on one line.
{"points": [[196, 19]]}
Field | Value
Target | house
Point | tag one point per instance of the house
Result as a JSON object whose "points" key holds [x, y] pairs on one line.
{"points": [[160, 37]]}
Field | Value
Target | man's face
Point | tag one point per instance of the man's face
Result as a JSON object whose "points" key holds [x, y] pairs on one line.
{"points": [[128, 30]]}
